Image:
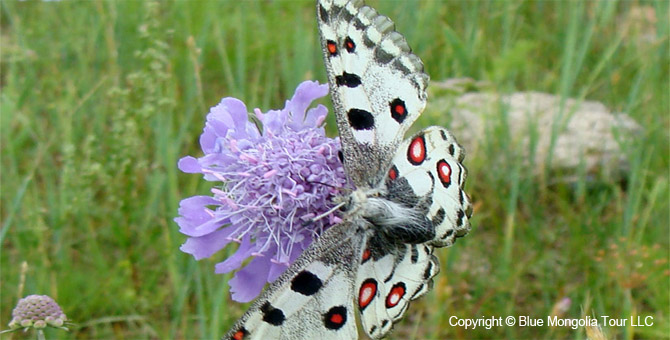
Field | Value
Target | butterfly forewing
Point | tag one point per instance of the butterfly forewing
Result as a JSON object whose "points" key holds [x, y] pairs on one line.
{"points": [[313, 299], [377, 85]]}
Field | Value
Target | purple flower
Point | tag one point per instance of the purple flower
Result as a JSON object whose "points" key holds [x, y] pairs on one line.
{"points": [[273, 181], [37, 311]]}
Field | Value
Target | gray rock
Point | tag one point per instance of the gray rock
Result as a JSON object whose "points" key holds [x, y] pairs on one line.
{"points": [[568, 136]]}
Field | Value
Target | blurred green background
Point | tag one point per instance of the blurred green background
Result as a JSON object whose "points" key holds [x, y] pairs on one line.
{"points": [[101, 98]]}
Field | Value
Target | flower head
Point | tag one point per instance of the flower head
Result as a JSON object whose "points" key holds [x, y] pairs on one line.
{"points": [[272, 181], [37, 311]]}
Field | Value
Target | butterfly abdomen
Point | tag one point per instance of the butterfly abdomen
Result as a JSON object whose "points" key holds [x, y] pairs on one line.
{"points": [[398, 222]]}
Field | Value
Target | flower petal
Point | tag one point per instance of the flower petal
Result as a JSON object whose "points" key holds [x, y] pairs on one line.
{"points": [[194, 229], [237, 110], [205, 246], [189, 165], [274, 121], [304, 95], [316, 116], [195, 208], [235, 261], [249, 281], [276, 269]]}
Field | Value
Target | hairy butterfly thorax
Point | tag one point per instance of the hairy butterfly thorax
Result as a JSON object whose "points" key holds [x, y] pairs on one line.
{"points": [[408, 196]]}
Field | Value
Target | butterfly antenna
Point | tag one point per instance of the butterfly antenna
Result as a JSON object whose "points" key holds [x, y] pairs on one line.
{"points": [[332, 210], [338, 188]]}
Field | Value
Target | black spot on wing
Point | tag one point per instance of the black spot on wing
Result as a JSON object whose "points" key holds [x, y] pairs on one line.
{"points": [[306, 283], [340, 155], [323, 13], [418, 290], [447, 234], [271, 315], [348, 79], [415, 254], [443, 134], [439, 217], [398, 110], [360, 119], [451, 148], [459, 219]]}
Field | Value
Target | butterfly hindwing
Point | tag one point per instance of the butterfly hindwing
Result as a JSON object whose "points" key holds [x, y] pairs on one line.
{"points": [[430, 164], [314, 298], [377, 85], [389, 277]]}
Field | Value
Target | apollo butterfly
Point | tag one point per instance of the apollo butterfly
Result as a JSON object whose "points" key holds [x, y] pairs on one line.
{"points": [[408, 199]]}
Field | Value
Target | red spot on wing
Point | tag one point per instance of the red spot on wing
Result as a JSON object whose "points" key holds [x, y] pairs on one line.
{"points": [[416, 153], [332, 47], [393, 173], [366, 293], [336, 318], [395, 295], [444, 172], [399, 109], [349, 45], [239, 335], [366, 255]]}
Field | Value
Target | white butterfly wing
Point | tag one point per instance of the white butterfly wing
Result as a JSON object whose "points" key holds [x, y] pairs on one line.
{"points": [[389, 277], [377, 85], [313, 299]]}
